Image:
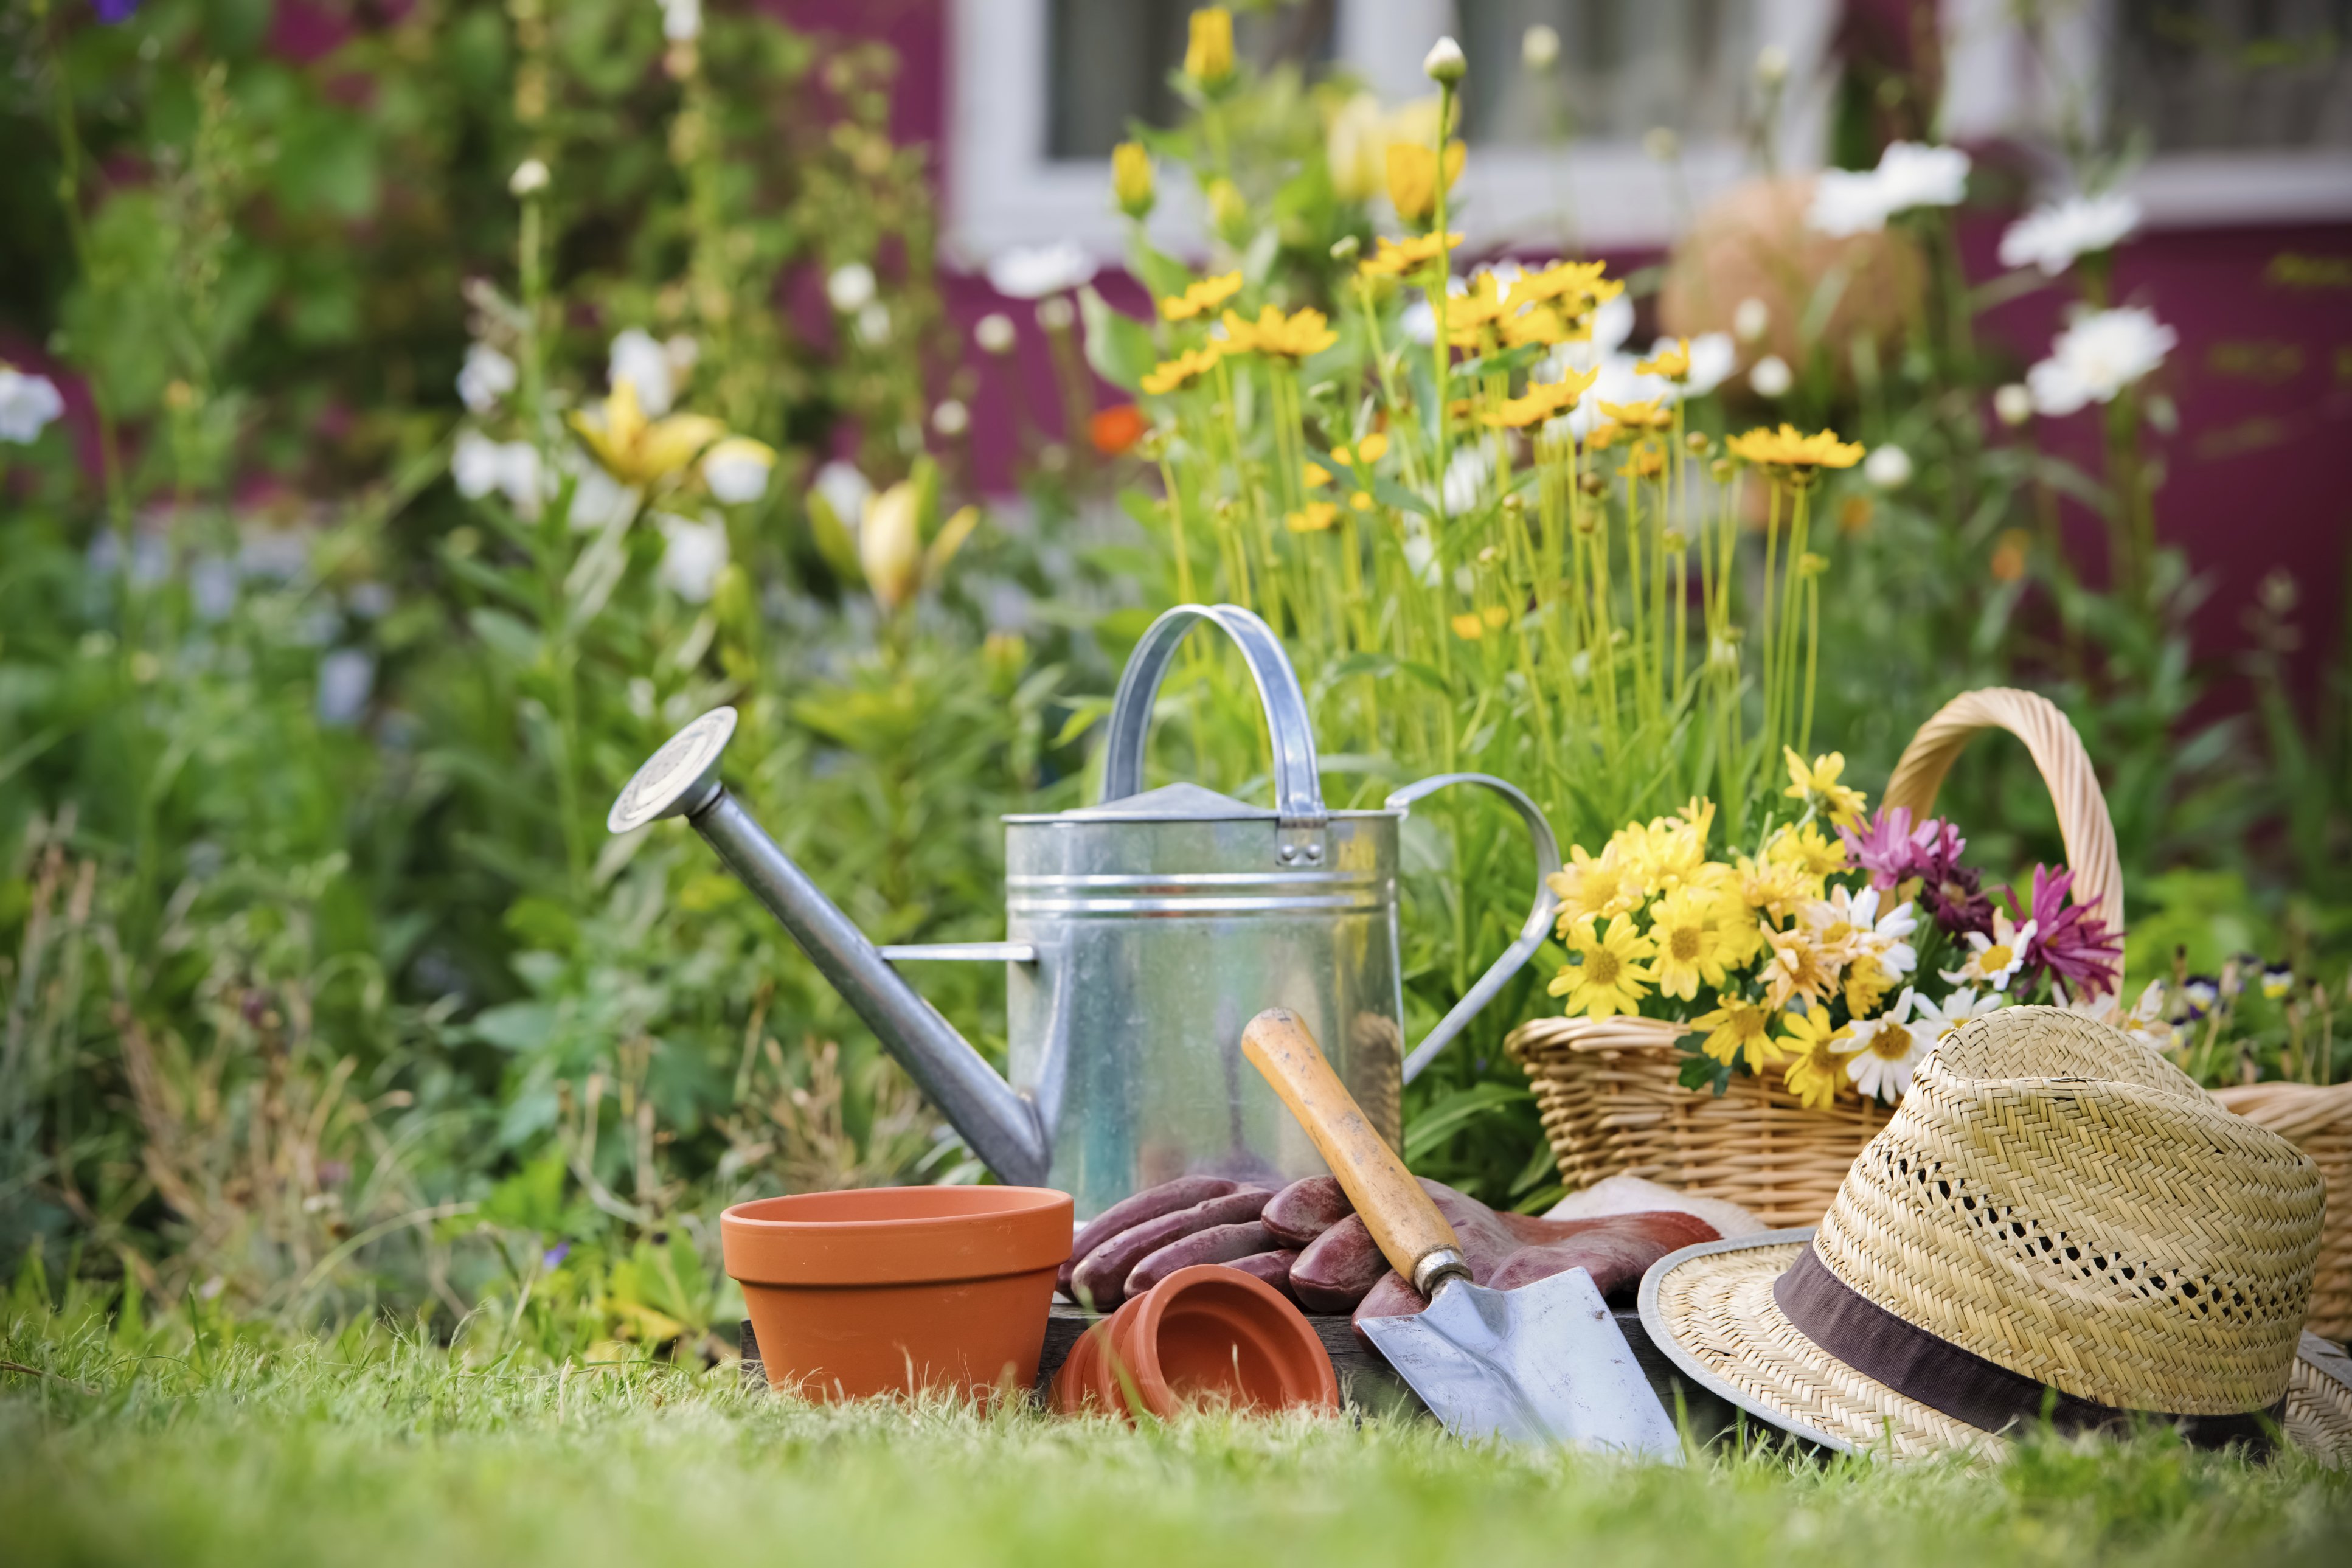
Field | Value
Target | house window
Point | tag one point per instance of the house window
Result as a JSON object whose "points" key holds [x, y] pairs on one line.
{"points": [[1625, 67], [2231, 75], [1111, 63]]}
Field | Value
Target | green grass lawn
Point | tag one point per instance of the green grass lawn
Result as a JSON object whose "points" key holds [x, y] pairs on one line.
{"points": [[254, 1447]]}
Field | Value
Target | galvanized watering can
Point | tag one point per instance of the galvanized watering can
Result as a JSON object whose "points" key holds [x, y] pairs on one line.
{"points": [[1143, 932]]}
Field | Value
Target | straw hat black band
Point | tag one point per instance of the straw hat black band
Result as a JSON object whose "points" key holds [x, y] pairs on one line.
{"points": [[1961, 1383]]}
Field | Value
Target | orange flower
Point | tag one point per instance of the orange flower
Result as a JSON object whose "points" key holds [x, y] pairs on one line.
{"points": [[1114, 430]]}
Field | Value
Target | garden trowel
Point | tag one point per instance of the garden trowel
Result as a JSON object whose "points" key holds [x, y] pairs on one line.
{"points": [[1542, 1363]]}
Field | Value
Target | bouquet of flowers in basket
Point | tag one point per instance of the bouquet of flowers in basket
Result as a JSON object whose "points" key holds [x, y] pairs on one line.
{"points": [[1837, 949]]}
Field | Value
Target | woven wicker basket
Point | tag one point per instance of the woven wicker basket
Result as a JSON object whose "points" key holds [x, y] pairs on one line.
{"points": [[1610, 1091], [2318, 1120]]}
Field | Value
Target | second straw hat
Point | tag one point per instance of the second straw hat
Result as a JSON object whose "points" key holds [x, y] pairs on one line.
{"points": [[2056, 1217]]}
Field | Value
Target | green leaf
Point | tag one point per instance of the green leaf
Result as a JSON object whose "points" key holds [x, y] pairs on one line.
{"points": [[833, 539], [1083, 716], [1432, 1127], [1120, 347]]}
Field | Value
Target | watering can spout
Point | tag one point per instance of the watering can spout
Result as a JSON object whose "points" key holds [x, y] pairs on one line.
{"points": [[1003, 1127]]}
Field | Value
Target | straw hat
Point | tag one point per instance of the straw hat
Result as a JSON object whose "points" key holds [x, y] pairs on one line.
{"points": [[2057, 1215]]}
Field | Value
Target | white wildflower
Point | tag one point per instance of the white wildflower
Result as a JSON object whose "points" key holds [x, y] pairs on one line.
{"points": [[849, 286], [2013, 404], [845, 489], [1750, 320], [737, 469], [1539, 47], [2096, 357], [1771, 377], [1909, 175], [2054, 233], [1036, 273], [28, 403], [345, 678], [693, 555], [647, 366], [1884, 1052], [530, 177], [995, 333], [951, 418], [1888, 467], [681, 20], [485, 376]]}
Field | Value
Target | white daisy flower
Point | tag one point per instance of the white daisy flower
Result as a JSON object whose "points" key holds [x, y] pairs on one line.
{"points": [[2145, 1020], [1884, 1052], [1995, 960], [1941, 1019], [1909, 175], [1036, 273]]}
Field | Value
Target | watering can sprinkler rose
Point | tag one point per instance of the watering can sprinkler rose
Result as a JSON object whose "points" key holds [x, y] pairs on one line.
{"points": [[1142, 932]]}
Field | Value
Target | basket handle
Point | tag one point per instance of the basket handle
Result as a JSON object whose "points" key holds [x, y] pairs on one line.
{"points": [[2083, 826]]}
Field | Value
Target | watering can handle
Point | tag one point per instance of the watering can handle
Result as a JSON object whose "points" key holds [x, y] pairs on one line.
{"points": [[1297, 790], [1531, 935]]}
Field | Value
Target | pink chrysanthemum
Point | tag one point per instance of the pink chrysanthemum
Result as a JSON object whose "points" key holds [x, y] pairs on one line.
{"points": [[2070, 942]]}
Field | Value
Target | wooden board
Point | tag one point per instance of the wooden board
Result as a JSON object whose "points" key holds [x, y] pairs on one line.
{"points": [[1366, 1382]]}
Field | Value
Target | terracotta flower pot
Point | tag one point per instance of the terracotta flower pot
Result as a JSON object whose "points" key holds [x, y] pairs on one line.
{"points": [[892, 1289], [1208, 1334]]}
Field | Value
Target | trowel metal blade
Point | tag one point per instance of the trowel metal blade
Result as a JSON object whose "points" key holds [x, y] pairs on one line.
{"points": [[1543, 1363]]}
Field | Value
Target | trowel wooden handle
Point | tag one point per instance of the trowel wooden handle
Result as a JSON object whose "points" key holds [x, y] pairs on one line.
{"points": [[1412, 1235]]}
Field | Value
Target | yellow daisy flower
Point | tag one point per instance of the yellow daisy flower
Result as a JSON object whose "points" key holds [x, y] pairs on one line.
{"points": [[1808, 849], [1786, 448], [1542, 400], [1394, 258], [1674, 363], [1609, 978], [1200, 297], [1183, 371], [1296, 336], [1738, 1027], [1687, 927], [1590, 887], [1649, 415], [1819, 1067], [1817, 788], [1413, 178], [1798, 968]]}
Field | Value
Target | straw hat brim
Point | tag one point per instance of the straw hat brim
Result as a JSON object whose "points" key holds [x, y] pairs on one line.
{"points": [[1710, 1310]]}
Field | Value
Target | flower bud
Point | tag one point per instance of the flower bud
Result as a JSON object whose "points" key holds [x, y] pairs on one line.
{"points": [[889, 544], [1443, 63], [2013, 405], [530, 178], [1539, 47], [1209, 54], [1131, 179]]}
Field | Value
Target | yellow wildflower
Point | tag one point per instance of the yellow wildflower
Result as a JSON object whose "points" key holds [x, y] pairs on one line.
{"points": [[1814, 1078], [1413, 178], [1610, 976], [1131, 179], [635, 450], [1484, 304], [1367, 452], [1538, 324], [1687, 927], [1209, 52], [1740, 1026], [1168, 374], [1578, 280], [1674, 363], [1293, 337], [1394, 258], [1651, 414], [1542, 400], [1819, 788], [1786, 448], [1317, 516], [1199, 298], [1603, 437], [1361, 500], [1475, 624]]}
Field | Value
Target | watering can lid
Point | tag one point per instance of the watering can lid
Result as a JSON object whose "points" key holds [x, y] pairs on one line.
{"points": [[1168, 803]]}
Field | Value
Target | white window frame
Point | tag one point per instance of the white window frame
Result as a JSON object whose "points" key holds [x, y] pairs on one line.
{"points": [[1004, 192], [1993, 87]]}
